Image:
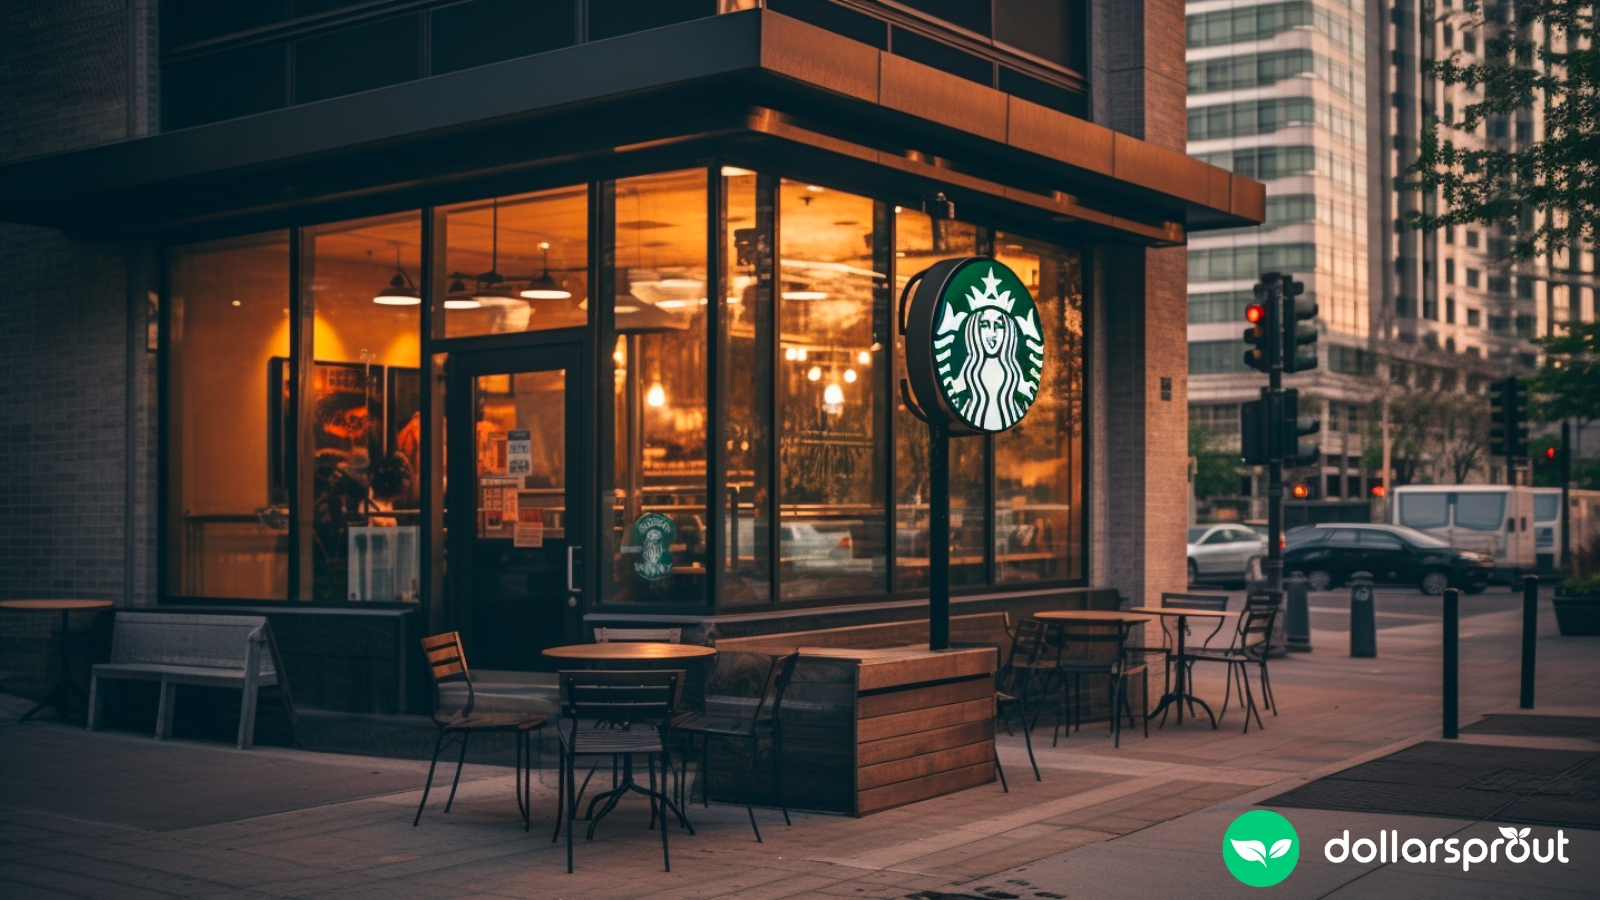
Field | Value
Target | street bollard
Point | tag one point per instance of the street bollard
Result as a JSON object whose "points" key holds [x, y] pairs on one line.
{"points": [[1452, 665], [1299, 614], [1530, 634], [1363, 616]]}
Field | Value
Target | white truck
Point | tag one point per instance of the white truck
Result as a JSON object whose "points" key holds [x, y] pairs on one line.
{"points": [[1492, 518]]}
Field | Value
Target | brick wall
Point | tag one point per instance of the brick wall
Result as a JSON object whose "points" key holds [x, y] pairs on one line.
{"points": [[73, 73]]}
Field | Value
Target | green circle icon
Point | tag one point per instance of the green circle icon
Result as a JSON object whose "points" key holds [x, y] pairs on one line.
{"points": [[1261, 848]]}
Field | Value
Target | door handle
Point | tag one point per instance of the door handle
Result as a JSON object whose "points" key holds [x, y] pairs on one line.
{"points": [[571, 582]]}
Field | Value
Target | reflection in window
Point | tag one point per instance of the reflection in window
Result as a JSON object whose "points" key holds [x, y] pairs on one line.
{"points": [[227, 534], [921, 241], [833, 318], [745, 388], [660, 381], [1480, 511], [1039, 462], [516, 263], [365, 398], [1425, 510]]}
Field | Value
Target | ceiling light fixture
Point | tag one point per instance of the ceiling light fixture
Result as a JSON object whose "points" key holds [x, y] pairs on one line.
{"points": [[491, 284], [805, 295], [815, 374], [544, 287], [456, 297], [656, 396], [400, 291]]}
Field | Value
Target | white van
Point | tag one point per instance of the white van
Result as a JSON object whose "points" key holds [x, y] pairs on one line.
{"points": [[1547, 516], [1492, 518]]}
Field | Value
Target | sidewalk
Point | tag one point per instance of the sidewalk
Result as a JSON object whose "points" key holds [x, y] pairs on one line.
{"points": [[119, 815]]}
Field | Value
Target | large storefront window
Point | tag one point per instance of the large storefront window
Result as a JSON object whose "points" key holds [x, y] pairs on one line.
{"points": [[921, 241], [228, 497], [833, 323], [1038, 483], [516, 263], [365, 419], [659, 390]]}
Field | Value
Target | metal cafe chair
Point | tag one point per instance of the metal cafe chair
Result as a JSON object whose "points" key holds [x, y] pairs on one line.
{"points": [[1003, 701], [619, 714], [763, 724], [1170, 600], [1250, 645], [1117, 666], [1024, 664], [448, 666]]}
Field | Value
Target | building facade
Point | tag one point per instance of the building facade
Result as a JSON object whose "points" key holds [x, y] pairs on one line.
{"points": [[390, 319]]}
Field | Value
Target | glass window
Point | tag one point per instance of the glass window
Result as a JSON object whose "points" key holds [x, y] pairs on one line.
{"points": [[745, 386], [1480, 511], [228, 506], [1546, 507], [1425, 510], [516, 263], [660, 380], [921, 241], [1038, 465], [833, 320], [1343, 537], [359, 58], [1216, 537], [484, 31], [365, 398], [1380, 540]]}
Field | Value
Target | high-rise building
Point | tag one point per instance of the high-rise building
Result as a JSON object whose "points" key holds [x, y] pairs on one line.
{"points": [[1277, 91]]}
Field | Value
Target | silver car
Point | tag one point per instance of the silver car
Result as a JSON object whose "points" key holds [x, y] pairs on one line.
{"points": [[1223, 552]]}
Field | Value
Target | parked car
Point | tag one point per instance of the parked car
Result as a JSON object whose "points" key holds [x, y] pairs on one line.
{"points": [[1329, 554], [1223, 552]]}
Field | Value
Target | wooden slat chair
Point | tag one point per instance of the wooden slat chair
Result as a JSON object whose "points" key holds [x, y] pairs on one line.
{"points": [[448, 664], [1251, 643], [763, 724], [181, 648], [619, 714], [635, 635]]}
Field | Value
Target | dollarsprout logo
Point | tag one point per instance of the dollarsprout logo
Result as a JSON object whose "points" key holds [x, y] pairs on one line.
{"points": [[1261, 848]]}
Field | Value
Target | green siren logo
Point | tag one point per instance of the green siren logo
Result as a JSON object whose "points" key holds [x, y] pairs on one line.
{"points": [[652, 540], [1260, 848], [974, 348]]}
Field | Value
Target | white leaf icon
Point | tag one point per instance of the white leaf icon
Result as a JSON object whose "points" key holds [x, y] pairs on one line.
{"points": [[1251, 850], [1509, 834], [1524, 832], [1281, 847]]}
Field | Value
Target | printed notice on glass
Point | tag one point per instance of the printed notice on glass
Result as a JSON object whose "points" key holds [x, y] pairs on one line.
{"points": [[519, 453], [529, 529]]}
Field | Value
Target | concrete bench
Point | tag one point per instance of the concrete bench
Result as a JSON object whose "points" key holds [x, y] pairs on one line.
{"points": [[175, 648]]}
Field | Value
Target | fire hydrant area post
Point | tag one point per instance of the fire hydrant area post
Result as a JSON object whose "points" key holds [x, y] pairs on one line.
{"points": [[1363, 616]]}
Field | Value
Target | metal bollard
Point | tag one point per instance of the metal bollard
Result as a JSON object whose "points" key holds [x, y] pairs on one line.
{"points": [[1298, 613], [1452, 662], [1530, 634], [1363, 616]]}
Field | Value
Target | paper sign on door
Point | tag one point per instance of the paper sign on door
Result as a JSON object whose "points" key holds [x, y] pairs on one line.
{"points": [[529, 531]]}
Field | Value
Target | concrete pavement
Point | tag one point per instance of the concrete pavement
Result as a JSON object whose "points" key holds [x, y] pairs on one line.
{"points": [[116, 814]]}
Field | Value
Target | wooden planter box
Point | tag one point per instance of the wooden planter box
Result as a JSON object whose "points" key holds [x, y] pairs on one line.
{"points": [[1578, 616]]}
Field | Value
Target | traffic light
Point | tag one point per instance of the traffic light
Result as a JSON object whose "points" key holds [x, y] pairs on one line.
{"points": [[1255, 438], [1549, 463], [1299, 331], [1293, 428], [1301, 492], [1259, 334], [1508, 418]]}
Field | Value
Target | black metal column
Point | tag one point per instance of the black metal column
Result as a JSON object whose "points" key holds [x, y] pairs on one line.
{"points": [[938, 536]]}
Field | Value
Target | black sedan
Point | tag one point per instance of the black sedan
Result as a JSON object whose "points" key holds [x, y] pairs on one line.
{"points": [[1329, 554]]}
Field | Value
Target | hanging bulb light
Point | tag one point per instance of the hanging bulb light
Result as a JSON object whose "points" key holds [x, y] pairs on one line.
{"points": [[656, 396], [850, 376], [490, 286], [833, 399], [457, 297], [864, 358], [815, 374], [400, 291], [544, 287]]}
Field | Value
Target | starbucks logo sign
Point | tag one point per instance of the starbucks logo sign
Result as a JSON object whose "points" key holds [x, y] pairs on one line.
{"points": [[974, 349], [652, 540]]}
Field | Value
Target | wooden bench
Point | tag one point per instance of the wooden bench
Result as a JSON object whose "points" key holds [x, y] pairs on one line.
{"points": [[175, 648]]}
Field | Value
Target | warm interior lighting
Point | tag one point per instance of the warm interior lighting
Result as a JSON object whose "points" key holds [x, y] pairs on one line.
{"points": [[805, 295], [815, 374], [790, 354], [864, 358], [800, 354], [814, 188], [671, 304], [463, 303], [656, 396], [400, 291], [850, 376], [735, 172], [544, 287], [833, 397]]}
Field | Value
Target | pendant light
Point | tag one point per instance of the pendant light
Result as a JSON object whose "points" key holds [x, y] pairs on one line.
{"points": [[400, 291], [544, 287]]}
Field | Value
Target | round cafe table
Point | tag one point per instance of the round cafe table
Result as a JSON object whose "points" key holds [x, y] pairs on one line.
{"points": [[630, 651], [1180, 682], [65, 688]]}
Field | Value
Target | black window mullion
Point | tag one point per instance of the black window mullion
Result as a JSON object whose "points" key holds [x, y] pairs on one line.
{"points": [[299, 462], [596, 562], [767, 224], [885, 329], [430, 558], [716, 445]]}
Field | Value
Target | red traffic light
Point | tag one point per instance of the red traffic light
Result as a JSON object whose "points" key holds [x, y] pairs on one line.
{"points": [[1301, 491], [1254, 313], [1549, 453], [1378, 491]]}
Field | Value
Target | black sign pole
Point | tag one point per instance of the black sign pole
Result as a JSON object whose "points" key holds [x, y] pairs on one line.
{"points": [[938, 535]]}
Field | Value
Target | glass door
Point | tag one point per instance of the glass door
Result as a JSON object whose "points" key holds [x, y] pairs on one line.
{"points": [[514, 519]]}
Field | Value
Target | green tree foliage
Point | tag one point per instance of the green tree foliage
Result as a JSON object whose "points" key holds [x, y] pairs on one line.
{"points": [[1546, 192], [1568, 384], [1216, 470]]}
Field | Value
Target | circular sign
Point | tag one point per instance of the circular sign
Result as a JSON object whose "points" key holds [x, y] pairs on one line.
{"points": [[1260, 848], [652, 540], [974, 348]]}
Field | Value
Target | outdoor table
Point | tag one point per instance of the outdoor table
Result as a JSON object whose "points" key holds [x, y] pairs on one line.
{"points": [[65, 688], [1180, 682], [1128, 618], [630, 651]]}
